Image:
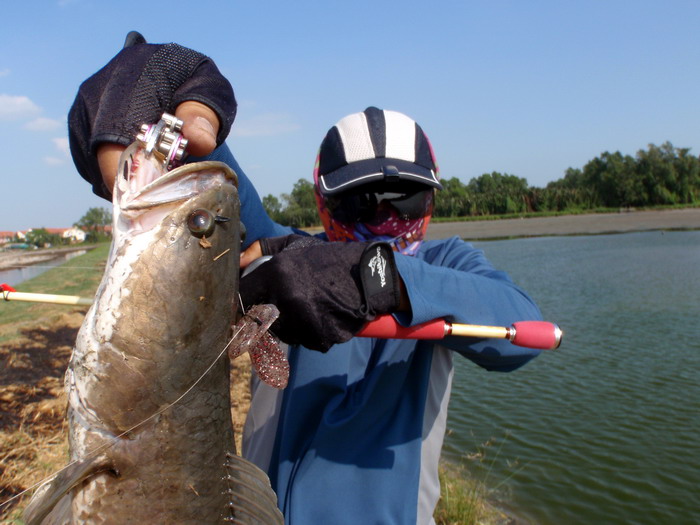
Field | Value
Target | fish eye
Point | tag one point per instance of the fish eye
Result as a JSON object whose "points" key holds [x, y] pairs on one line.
{"points": [[201, 223]]}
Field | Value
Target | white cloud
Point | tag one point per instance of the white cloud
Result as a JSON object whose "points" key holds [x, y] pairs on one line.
{"points": [[43, 124], [264, 125], [17, 107], [61, 144], [246, 104], [4, 72]]}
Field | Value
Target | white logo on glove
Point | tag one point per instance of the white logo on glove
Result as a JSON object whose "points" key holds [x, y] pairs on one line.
{"points": [[378, 264]]}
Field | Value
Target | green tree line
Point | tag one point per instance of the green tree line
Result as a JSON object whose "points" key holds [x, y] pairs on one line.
{"points": [[659, 175], [94, 223], [297, 209]]}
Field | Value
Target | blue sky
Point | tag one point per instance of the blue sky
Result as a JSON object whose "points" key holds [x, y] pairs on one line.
{"points": [[525, 88]]}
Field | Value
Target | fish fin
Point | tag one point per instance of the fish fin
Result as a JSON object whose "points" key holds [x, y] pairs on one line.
{"points": [[61, 514], [252, 499], [50, 504]]}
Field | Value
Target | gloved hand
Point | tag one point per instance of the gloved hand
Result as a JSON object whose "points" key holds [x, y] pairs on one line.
{"points": [[136, 87], [325, 291]]}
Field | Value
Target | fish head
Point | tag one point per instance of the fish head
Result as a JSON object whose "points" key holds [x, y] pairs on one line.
{"points": [[176, 249], [145, 192], [168, 296]]}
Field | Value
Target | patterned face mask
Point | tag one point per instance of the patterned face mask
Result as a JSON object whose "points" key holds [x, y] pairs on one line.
{"points": [[401, 219]]}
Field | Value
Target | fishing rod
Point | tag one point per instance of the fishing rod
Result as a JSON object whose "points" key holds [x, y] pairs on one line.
{"points": [[10, 294], [530, 334]]}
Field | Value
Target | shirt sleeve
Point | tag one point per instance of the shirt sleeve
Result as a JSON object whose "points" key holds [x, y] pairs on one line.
{"points": [[454, 281], [257, 222]]}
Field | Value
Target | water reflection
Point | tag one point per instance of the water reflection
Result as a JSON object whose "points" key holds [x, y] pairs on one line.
{"points": [[15, 276]]}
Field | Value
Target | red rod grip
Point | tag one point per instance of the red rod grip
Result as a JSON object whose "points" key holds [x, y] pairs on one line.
{"points": [[537, 334], [386, 327]]}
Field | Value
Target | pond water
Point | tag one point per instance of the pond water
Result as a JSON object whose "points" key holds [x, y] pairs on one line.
{"points": [[15, 276], [605, 429]]}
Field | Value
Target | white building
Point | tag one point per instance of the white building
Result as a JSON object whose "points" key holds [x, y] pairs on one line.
{"points": [[76, 235]]}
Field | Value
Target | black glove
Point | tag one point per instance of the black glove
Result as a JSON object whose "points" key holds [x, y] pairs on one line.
{"points": [[136, 87], [325, 291]]}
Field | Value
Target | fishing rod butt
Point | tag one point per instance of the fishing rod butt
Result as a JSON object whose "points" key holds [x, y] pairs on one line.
{"points": [[536, 334]]}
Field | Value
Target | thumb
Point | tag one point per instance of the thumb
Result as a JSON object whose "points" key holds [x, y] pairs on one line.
{"points": [[200, 126]]}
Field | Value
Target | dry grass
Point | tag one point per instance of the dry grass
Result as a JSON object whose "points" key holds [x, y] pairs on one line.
{"points": [[32, 407], [240, 395], [463, 500]]}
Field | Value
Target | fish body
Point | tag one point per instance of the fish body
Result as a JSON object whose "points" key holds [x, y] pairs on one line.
{"points": [[150, 428]]}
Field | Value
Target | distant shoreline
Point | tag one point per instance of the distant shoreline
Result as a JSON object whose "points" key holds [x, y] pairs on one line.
{"points": [[17, 258], [585, 224]]}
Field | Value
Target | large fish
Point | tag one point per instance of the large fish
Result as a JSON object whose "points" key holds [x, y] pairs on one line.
{"points": [[150, 428]]}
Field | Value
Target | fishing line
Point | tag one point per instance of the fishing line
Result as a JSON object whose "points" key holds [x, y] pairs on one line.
{"points": [[116, 438], [240, 301], [18, 267]]}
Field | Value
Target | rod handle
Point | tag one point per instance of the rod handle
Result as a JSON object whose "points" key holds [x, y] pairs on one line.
{"points": [[386, 327], [537, 334]]}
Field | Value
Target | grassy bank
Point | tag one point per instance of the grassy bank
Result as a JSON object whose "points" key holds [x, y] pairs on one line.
{"points": [[35, 344], [78, 276]]}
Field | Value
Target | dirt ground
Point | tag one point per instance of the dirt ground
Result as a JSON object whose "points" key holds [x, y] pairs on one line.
{"points": [[593, 223], [33, 404], [584, 224]]}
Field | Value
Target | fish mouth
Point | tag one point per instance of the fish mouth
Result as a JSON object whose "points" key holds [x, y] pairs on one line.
{"points": [[145, 192]]}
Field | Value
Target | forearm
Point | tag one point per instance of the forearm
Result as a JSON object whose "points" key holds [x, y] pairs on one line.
{"points": [[461, 296], [469, 291]]}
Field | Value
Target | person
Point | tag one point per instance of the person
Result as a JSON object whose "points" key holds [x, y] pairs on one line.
{"points": [[356, 435], [136, 87]]}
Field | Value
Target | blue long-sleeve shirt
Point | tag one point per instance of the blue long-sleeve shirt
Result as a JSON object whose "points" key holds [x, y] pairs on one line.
{"points": [[356, 435], [253, 216]]}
